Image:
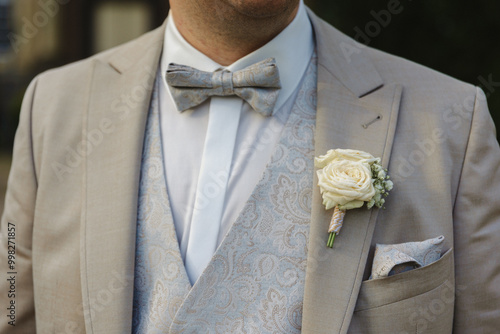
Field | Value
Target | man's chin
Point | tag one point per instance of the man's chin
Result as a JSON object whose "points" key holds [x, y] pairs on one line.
{"points": [[263, 8]]}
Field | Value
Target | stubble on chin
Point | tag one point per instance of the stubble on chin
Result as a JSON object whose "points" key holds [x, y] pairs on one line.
{"points": [[259, 9]]}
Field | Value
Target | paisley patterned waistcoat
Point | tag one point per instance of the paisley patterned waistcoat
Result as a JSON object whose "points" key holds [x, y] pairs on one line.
{"points": [[255, 280]]}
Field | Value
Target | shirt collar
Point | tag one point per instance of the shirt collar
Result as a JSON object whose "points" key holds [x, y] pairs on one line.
{"points": [[292, 49]]}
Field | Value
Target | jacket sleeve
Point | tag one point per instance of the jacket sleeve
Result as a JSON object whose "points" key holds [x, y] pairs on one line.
{"points": [[477, 229], [16, 285]]}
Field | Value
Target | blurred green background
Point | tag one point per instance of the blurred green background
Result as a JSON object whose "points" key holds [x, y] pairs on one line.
{"points": [[459, 38]]}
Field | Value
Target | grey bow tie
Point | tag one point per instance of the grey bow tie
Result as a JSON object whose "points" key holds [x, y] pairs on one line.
{"points": [[258, 84]]}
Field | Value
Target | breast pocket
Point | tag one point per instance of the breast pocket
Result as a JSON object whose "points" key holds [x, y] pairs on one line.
{"points": [[416, 301]]}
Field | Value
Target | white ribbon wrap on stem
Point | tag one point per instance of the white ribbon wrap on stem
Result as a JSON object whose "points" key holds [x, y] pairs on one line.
{"points": [[337, 220]]}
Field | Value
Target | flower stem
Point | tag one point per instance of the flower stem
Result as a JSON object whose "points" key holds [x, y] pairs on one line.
{"points": [[331, 239]]}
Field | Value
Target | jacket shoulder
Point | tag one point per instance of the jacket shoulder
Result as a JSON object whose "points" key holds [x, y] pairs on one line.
{"points": [[412, 75], [81, 67]]}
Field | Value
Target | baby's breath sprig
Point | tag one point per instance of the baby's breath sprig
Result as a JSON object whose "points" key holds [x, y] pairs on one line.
{"points": [[382, 184]]}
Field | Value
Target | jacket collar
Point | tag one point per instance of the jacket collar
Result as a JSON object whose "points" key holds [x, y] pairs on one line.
{"points": [[345, 59], [118, 102], [351, 93]]}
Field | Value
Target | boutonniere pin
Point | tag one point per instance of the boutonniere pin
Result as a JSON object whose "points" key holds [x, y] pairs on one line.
{"points": [[347, 180]]}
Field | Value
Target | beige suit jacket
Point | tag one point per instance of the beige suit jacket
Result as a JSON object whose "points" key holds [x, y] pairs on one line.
{"points": [[72, 195]]}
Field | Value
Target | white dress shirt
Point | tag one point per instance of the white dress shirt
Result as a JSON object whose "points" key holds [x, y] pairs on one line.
{"points": [[183, 134]]}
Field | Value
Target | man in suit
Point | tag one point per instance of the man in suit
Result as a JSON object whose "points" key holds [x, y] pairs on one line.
{"points": [[111, 175]]}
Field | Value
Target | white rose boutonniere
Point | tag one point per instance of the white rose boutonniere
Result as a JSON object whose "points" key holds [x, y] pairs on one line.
{"points": [[347, 180]]}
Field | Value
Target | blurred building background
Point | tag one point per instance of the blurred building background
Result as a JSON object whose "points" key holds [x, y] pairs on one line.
{"points": [[36, 35], [456, 37]]}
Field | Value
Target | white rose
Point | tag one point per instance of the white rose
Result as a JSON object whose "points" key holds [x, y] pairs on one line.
{"points": [[341, 154], [346, 183]]}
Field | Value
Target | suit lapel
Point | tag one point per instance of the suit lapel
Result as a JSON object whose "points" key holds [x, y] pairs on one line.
{"points": [[350, 94], [113, 131], [355, 111]]}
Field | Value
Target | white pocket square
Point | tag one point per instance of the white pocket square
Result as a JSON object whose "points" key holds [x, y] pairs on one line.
{"points": [[394, 259]]}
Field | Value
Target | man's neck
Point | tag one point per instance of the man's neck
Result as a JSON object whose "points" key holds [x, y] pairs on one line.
{"points": [[226, 33]]}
